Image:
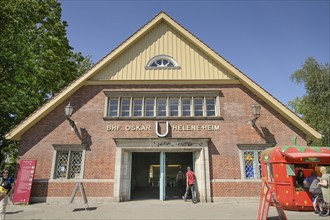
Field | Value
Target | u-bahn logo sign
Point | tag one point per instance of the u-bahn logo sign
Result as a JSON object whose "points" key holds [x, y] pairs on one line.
{"points": [[157, 129]]}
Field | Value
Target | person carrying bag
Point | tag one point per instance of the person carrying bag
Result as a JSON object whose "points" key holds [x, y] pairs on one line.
{"points": [[6, 188]]}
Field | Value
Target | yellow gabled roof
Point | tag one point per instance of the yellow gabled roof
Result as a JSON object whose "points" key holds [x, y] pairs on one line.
{"points": [[16, 132]]}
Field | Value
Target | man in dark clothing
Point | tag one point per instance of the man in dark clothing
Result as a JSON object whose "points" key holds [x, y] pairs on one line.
{"points": [[180, 182], [314, 189], [310, 179], [190, 185]]}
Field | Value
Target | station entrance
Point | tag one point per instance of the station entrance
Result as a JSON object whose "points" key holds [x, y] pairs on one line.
{"points": [[146, 168], [154, 175]]}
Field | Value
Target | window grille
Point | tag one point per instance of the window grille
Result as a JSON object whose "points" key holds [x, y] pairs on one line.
{"points": [[62, 163], [251, 162], [162, 62], [75, 167], [68, 164]]}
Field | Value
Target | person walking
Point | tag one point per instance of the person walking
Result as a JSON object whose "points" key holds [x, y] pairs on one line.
{"points": [[325, 184], [6, 188], [180, 182], [190, 185]]}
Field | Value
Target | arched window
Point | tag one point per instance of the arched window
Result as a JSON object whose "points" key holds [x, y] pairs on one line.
{"points": [[162, 62]]}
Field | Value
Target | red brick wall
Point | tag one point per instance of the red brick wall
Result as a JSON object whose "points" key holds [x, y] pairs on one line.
{"points": [[65, 189], [236, 189], [89, 101]]}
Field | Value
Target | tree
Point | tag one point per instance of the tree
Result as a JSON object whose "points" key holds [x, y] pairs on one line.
{"points": [[314, 106], [36, 60]]}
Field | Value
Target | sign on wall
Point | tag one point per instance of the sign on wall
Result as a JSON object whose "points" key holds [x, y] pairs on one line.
{"points": [[24, 181]]}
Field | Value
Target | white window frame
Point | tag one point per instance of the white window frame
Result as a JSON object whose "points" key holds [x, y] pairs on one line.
{"points": [[133, 110], [121, 107], [203, 106], [162, 57], [167, 96], [176, 110], [108, 106], [166, 107], [145, 109], [215, 106], [190, 106]]}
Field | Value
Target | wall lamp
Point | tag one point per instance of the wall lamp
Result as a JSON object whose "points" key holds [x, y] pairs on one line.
{"points": [[68, 113], [256, 112]]}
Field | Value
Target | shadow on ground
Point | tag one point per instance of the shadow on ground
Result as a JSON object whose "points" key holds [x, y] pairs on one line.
{"points": [[84, 209]]}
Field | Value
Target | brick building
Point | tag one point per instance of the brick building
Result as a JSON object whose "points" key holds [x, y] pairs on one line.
{"points": [[159, 102]]}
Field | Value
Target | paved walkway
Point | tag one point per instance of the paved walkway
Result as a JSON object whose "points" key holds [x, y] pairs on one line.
{"points": [[149, 209]]}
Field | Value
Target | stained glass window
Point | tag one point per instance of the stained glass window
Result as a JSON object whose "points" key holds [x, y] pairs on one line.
{"points": [[252, 165]]}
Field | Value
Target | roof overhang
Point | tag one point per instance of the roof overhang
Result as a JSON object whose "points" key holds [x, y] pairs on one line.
{"points": [[16, 132]]}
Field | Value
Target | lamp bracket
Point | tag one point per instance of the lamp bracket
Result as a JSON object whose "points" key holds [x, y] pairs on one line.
{"points": [[72, 122], [253, 121]]}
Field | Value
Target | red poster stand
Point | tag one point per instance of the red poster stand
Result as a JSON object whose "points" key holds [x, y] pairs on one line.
{"points": [[24, 181]]}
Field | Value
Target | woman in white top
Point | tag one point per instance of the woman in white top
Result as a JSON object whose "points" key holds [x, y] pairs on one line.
{"points": [[324, 183]]}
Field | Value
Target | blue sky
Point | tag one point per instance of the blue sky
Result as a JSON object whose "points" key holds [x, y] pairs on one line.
{"points": [[266, 40]]}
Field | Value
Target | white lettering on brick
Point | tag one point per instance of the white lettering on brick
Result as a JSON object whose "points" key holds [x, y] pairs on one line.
{"points": [[174, 128], [113, 127]]}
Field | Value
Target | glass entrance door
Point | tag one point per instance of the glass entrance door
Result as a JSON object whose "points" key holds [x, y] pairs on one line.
{"points": [[154, 175], [176, 167]]}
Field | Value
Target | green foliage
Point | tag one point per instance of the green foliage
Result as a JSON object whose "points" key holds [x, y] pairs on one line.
{"points": [[314, 106], [36, 60]]}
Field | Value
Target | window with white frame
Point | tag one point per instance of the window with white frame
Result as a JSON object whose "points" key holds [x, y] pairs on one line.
{"points": [[125, 107], [251, 164], [186, 107], [150, 107], [68, 164], [210, 106], [113, 107], [162, 62], [137, 106], [198, 106], [174, 107], [161, 105]]}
